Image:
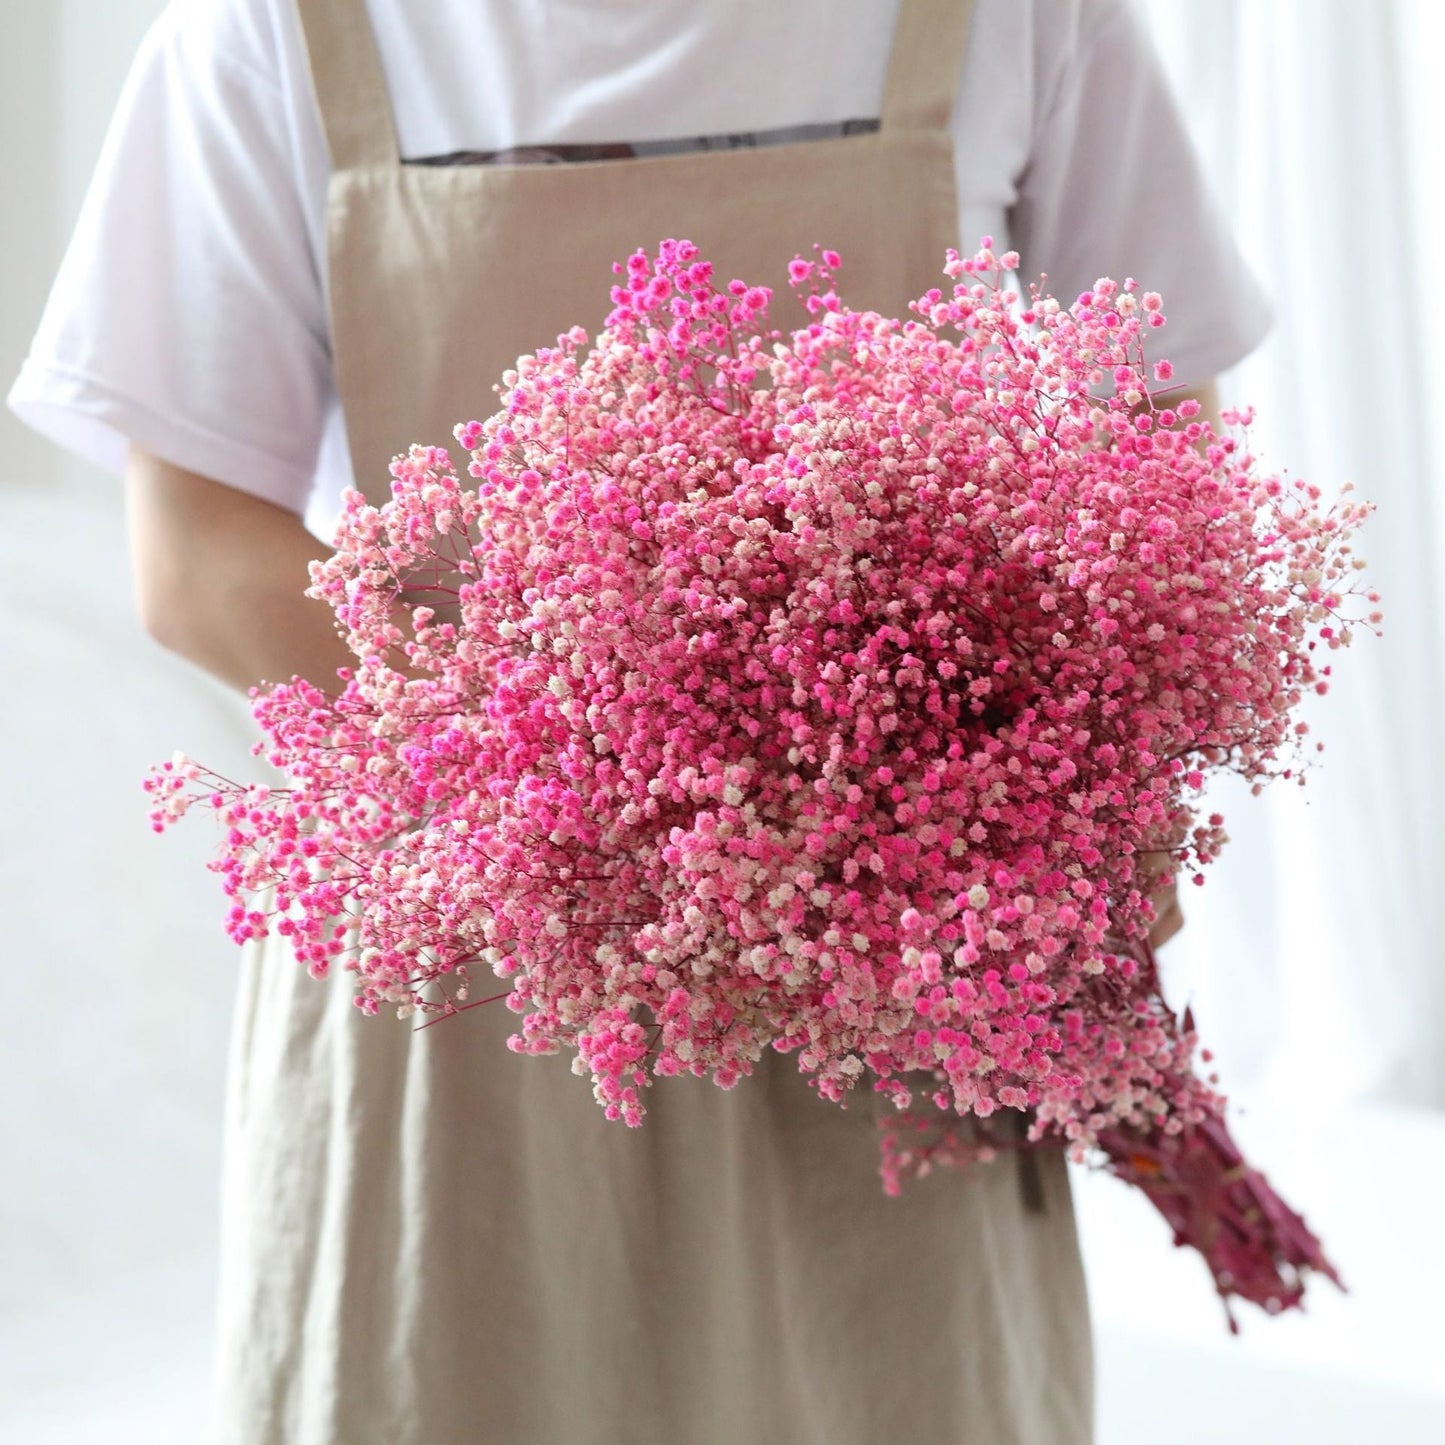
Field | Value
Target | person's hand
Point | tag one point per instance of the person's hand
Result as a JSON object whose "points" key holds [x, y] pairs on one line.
{"points": [[1154, 861], [1168, 915]]}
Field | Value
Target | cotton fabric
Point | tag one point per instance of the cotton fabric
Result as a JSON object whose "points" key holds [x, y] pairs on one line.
{"points": [[189, 313]]}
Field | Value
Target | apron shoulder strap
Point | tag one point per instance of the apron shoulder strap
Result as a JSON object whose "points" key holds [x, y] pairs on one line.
{"points": [[346, 75], [923, 69]]}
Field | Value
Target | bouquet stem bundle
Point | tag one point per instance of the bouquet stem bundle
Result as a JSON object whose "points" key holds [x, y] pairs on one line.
{"points": [[1256, 1247]]}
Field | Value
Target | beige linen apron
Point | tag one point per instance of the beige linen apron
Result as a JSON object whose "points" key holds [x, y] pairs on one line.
{"points": [[428, 1240]]}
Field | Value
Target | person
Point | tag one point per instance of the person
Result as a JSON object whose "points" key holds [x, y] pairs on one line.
{"points": [[317, 232]]}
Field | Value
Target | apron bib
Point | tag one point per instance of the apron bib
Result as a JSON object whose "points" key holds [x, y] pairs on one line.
{"points": [[429, 1240]]}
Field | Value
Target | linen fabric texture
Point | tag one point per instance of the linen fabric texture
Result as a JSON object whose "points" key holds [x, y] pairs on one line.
{"points": [[488, 1257]]}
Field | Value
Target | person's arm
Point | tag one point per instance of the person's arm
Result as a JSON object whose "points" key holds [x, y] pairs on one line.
{"points": [[220, 578], [1170, 915], [1206, 395]]}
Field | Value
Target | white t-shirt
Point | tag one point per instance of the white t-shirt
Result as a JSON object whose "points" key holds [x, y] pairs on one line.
{"points": [[189, 313]]}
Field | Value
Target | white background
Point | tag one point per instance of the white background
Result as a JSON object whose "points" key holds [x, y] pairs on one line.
{"points": [[1313, 958]]}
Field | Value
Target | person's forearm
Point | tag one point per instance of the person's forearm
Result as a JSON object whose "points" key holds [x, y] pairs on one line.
{"points": [[1168, 910], [1207, 396], [220, 578]]}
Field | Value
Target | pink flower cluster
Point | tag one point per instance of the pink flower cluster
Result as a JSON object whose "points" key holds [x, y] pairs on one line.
{"points": [[822, 691]]}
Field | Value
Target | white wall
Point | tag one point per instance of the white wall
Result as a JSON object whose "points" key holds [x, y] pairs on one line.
{"points": [[112, 1040], [1420, 44], [31, 219]]}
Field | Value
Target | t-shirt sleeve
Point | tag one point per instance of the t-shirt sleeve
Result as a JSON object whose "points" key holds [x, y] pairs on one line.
{"points": [[1114, 187], [188, 313]]}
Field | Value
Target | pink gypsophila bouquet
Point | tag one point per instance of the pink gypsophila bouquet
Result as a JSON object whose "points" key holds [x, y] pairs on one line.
{"points": [[824, 692]]}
